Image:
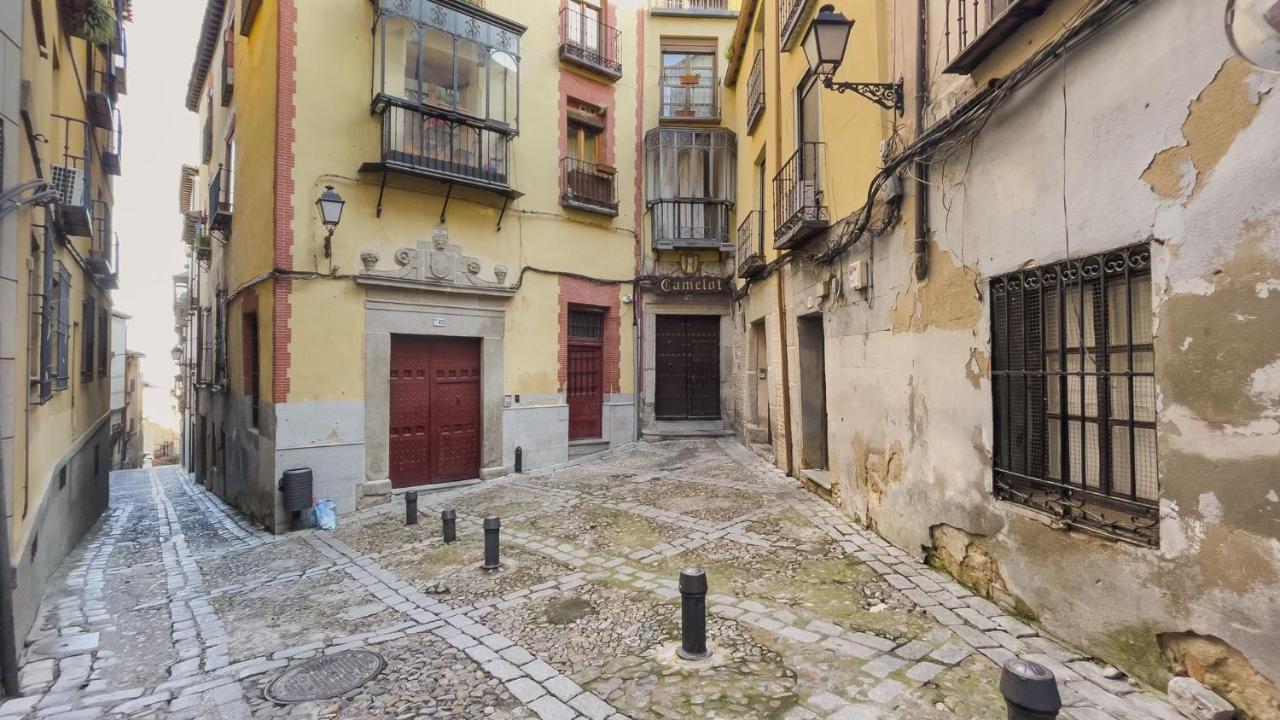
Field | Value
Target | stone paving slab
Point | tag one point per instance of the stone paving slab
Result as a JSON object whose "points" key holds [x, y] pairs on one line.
{"points": [[810, 616]]}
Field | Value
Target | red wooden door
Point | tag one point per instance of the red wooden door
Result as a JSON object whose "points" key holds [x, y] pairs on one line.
{"points": [[435, 410], [585, 387]]}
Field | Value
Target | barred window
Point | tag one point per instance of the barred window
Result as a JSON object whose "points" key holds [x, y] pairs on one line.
{"points": [[1073, 383], [88, 353], [61, 326]]}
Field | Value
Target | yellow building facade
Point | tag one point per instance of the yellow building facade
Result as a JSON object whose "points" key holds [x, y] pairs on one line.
{"points": [[64, 68], [475, 309]]}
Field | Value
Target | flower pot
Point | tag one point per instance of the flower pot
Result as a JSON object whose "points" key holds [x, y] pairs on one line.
{"points": [[690, 79]]}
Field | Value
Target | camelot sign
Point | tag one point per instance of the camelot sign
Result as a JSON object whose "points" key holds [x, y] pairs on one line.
{"points": [[690, 284]]}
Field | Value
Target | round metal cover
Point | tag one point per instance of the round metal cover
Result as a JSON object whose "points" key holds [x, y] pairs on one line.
{"points": [[325, 677]]}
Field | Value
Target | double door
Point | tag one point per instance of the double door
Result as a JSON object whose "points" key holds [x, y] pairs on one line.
{"points": [[687, 382], [435, 409]]}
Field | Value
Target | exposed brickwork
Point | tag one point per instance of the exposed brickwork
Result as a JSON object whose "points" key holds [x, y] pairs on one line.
{"points": [[588, 90], [286, 88], [586, 293]]}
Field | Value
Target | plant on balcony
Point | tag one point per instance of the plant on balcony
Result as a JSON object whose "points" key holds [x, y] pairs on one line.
{"points": [[690, 79], [96, 23]]}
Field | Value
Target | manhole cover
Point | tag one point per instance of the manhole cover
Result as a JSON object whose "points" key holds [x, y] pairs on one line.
{"points": [[326, 677]]}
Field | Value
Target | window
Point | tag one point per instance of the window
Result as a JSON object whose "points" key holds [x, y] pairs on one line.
{"points": [[585, 129], [61, 326], [450, 60], [251, 371], [104, 341], [88, 322], [688, 82], [975, 29], [583, 24], [1073, 383], [690, 186], [229, 60]]}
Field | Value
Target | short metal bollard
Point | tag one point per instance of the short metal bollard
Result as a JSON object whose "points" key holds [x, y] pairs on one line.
{"points": [[1030, 690], [491, 525], [693, 614], [519, 460], [449, 519], [411, 508]]}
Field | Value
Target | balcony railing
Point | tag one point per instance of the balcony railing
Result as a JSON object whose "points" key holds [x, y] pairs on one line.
{"points": [[751, 244], [691, 224], [588, 42], [791, 15], [689, 96], [726, 8], [101, 256], [221, 200], [755, 91], [974, 28], [73, 179], [798, 206], [589, 186], [420, 141]]}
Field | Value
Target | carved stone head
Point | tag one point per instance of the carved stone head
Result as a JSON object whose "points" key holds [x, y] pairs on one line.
{"points": [[473, 266], [370, 259], [500, 272]]}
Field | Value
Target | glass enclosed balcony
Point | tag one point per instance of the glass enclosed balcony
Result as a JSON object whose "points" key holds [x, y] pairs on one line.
{"points": [[690, 187], [446, 87]]}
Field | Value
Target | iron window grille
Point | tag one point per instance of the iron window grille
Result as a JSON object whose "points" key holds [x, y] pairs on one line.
{"points": [[1073, 385], [88, 356], [972, 29]]}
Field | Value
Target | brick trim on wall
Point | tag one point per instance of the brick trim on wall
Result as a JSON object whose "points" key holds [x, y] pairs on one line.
{"points": [[588, 90], [286, 111], [586, 293]]}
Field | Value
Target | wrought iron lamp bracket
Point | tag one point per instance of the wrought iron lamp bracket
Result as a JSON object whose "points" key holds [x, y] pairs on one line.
{"points": [[887, 95]]}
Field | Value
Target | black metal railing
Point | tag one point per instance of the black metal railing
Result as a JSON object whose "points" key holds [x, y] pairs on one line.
{"points": [[589, 186], [206, 150], [221, 199], [690, 223], [755, 90], [111, 152], [791, 13], [589, 41], [73, 179], [751, 244], [1073, 389], [418, 140], [797, 195], [694, 6], [101, 245], [973, 28], [689, 95]]}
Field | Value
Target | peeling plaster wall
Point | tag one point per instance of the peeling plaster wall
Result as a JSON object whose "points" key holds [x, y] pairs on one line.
{"points": [[1149, 131]]}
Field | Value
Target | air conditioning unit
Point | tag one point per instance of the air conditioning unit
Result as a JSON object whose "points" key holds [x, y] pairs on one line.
{"points": [[69, 183]]}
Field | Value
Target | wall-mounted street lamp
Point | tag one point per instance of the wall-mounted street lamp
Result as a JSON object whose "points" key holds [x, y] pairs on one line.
{"points": [[824, 46], [330, 204], [176, 353]]}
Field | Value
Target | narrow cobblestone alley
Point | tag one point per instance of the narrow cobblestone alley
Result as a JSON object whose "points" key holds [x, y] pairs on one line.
{"points": [[177, 607]]}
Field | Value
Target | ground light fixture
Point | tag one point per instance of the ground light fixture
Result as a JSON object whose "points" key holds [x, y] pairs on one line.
{"points": [[330, 204], [824, 46]]}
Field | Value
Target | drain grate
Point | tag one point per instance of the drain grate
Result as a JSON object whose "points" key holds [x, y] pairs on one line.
{"points": [[325, 677]]}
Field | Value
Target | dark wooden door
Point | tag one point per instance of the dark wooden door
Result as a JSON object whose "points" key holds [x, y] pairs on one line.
{"points": [[585, 386], [435, 409], [687, 383]]}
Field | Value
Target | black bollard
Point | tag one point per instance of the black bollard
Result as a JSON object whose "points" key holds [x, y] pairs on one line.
{"points": [[411, 508], [491, 525], [519, 460], [449, 519], [1030, 691], [693, 614]]}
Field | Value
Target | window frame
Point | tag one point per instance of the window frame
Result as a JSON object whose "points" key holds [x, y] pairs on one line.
{"points": [[1058, 402]]}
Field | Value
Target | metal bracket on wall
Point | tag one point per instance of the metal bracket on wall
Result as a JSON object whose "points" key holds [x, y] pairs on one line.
{"points": [[445, 208], [382, 187], [505, 201]]}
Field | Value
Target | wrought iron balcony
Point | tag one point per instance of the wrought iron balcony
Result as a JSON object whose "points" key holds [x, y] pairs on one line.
{"points": [[755, 91], [589, 43], [972, 29], [221, 200], [689, 96], [798, 206], [73, 179], [691, 224], [791, 16], [443, 146], [589, 186], [751, 245], [713, 8], [102, 242]]}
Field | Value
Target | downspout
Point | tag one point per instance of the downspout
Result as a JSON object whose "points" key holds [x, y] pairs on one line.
{"points": [[921, 166], [8, 648], [776, 39]]}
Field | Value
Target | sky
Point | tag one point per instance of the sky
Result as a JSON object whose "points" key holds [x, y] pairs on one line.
{"points": [[159, 136]]}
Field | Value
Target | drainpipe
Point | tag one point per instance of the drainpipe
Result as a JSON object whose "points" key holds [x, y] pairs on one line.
{"points": [[776, 40], [8, 648], [921, 166]]}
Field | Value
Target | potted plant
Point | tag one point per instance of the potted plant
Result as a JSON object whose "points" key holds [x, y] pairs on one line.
{"points": [[96, 23], [606, 169], [690, 78]]}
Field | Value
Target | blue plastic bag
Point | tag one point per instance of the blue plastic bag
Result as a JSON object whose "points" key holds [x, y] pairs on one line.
{"points": [[325, 514]]}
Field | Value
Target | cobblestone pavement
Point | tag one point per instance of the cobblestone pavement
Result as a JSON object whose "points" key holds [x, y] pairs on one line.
{"points": [[175, 606]]}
